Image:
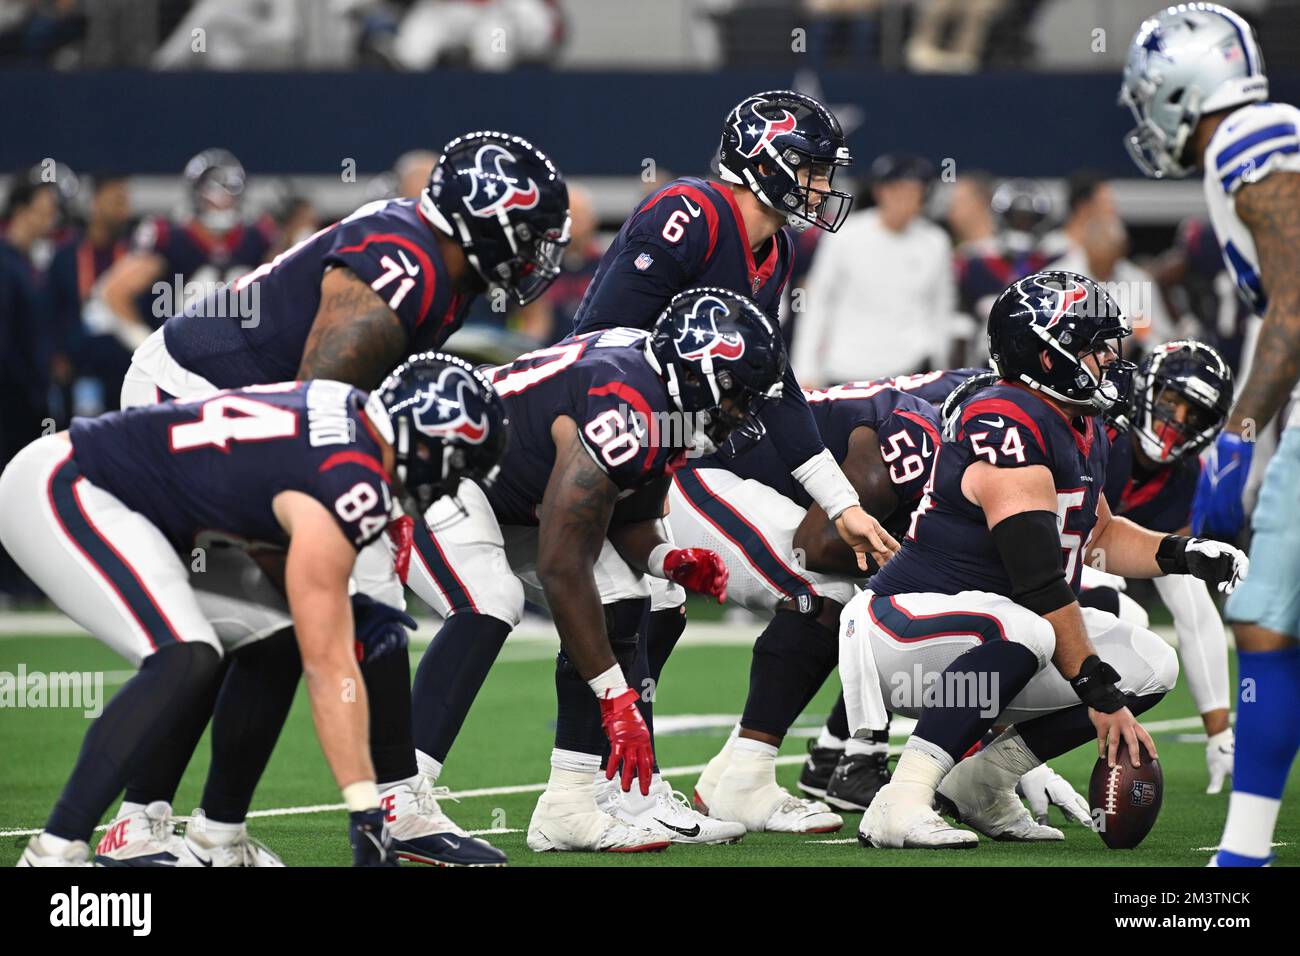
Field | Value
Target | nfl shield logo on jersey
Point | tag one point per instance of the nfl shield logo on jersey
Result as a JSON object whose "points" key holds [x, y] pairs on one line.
{"points": [[643, 261]]}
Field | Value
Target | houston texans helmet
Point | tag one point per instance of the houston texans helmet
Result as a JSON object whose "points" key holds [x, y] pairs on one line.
{"points": [[769, 138], [1043, 326], [710, 345], [506, 205], [216, 180], [1168, 429], [1185, 62], [444, 421]]}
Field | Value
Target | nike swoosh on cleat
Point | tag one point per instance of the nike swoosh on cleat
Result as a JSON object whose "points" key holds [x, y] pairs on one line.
{"points": [[691, 832]]}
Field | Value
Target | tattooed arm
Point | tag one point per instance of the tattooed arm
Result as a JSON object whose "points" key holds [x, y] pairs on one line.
{"points": [[574, 519], [355, 338], [1270, 208]]}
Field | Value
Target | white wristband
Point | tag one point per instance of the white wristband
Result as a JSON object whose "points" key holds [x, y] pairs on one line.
{"points": [[825, 482], [655, 566], [609, 684], [362, 795]]}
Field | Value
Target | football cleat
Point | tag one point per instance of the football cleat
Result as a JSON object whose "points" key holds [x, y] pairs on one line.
{"points": [[145, 837], [893, 821], [422, 833], [200, 849], [38, 853], [570, 821], [976, 793], [856, 780], [769, 808], [665, 810], [817, 768]]}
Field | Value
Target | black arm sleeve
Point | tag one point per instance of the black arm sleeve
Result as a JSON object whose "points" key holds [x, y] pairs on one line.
{"points": [[1030, 547], [644, 504]]}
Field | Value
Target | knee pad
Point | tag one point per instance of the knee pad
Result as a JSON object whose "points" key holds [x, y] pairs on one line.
{"points": [[1036, 634], [503, 599]]}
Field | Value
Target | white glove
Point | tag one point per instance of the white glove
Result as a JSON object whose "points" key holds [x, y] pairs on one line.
{"points": [[1219, 751], [1043, 787], [1216, 563]]}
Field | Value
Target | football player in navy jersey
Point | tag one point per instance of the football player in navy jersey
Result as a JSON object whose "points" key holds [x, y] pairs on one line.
{"points": [[779, 154], [213, 245], [1180, 400], [347, 304], [976, 620], [786, 562], [300, 475], [598, 423], [1196, 85]]}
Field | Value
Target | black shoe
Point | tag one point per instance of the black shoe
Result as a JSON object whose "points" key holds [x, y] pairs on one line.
{"points": [[856, 779], [817, 769]]}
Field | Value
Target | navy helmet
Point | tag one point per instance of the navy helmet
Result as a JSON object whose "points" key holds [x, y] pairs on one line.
{"points": [[444, 421], [711, 344], [1194, 372], [506, 205], [769, 138], [216, 180], [1042, 326]]}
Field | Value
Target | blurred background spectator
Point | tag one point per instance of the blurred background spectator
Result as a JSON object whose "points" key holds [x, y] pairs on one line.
{"points": [[880, 295]]}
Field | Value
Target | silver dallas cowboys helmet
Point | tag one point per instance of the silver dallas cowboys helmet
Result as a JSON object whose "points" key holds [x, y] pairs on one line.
{"points": [[1185, 62]]}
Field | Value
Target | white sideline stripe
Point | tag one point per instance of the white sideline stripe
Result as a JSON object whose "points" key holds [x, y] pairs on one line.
{"points": [[1215, 849], [1178, 723]]}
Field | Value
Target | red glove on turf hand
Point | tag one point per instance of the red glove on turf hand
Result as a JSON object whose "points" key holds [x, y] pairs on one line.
{"points": [[629, 740], [401, 531], [699, 570]]}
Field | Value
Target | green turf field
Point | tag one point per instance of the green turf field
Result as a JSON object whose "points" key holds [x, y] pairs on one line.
{"points": [[501, 758]]}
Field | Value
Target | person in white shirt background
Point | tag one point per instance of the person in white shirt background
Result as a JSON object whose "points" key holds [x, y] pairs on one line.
{"points": [[880, 298]]}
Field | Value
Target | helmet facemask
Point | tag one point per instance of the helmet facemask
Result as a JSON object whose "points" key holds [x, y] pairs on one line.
{"points": [[790, 190], [1152, 149]]}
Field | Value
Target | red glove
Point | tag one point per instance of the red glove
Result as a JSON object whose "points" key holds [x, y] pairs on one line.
{"points": [[699, 570], [629, 740], [401, 531]]}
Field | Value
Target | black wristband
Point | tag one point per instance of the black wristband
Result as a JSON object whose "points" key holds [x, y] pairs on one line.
{"points": [[1095, 685], [1171, 556]]}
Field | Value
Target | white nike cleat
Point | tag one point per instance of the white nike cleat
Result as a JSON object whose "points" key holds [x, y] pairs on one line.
{"points": [[983, 796], [423, 833], [38, 852], [570, 821], [203, 849], [145, 837], [897, 819], [664, 810], [769, 808]]}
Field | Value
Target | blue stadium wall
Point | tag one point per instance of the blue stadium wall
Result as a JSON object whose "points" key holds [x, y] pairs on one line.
{"points": [[1040, 124]]}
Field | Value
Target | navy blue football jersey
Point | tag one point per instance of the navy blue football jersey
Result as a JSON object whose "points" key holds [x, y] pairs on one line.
{"points": [[254, 332], [214, 465], [949, 547], [1160, 499], [932, 387], [198, 257], [906, 428], [603, 381], [691, 233]]}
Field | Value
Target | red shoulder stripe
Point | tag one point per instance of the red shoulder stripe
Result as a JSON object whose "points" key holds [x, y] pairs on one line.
{"points": [[426, 266], [999, 407], [700, 199]]}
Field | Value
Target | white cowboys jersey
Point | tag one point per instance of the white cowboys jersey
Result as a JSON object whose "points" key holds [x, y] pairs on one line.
{"points": [[1254, 141]]}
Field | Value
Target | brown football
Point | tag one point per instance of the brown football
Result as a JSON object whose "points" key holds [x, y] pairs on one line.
{"points": [[1125, 800]]}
